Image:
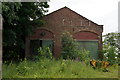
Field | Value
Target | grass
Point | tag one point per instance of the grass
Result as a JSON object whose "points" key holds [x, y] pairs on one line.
{"points": [[46, 68]]}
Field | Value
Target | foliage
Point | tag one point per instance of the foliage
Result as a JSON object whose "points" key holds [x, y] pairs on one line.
{"points": [[83, 55], [112, 39], [44, 52], [70, 48], [111, 47], [110, 53], [19, 20], [46, 68]]}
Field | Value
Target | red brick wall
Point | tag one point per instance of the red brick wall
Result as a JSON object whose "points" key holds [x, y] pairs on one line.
{"points": [[67, 20]]}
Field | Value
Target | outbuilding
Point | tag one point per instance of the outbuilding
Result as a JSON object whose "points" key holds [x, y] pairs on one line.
{"points": [[85, 31]]}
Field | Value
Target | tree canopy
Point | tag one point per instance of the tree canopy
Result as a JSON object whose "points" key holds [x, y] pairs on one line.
{"points": [[19, 20]]}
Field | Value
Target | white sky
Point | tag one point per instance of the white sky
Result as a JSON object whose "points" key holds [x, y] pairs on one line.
{"points": [[102, 12]]}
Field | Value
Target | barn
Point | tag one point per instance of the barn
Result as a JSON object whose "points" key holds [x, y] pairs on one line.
{"points": [[85, 31]]}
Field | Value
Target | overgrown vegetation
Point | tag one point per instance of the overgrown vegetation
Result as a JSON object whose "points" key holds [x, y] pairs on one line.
{"points": [[74, 63], [46, 68], [70, 48], [44, 52]]}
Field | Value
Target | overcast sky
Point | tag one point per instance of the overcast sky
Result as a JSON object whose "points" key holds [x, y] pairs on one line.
{"points": [[102, 12]]}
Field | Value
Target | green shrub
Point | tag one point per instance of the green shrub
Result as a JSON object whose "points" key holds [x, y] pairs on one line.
{"points": [[44, 52], [70, 48], [83, 55]]}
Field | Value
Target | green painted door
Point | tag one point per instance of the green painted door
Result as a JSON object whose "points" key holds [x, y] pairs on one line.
{"points": [[91, 46]]}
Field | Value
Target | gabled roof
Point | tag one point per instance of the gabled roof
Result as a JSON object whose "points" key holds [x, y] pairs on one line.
{"points": [[73, 12]]}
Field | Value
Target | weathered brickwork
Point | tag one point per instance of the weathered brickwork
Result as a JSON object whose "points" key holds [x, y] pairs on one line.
{"points": [[62, 20]]}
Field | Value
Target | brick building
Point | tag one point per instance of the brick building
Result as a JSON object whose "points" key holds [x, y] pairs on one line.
{"points": [[86, 32]]}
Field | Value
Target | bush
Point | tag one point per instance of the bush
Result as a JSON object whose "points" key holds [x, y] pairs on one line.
{"points": [[44, 52], [83, 55], [70, 48]]}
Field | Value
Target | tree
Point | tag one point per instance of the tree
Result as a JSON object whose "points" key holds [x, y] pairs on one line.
{"points": [[111, 47], [19, 20]]}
